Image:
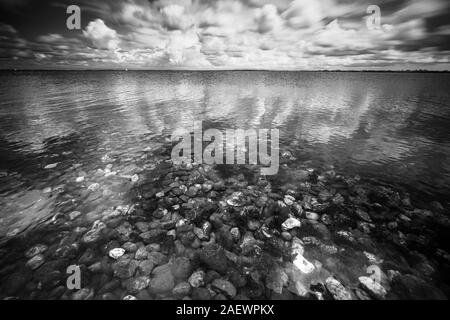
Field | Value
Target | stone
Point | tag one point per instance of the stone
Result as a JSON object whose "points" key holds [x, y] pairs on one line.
{"points": [[197, 279], [129, 297], [214, 257], [291, 223], [124, 268], [286, 236], [137, 284], [35, 262], [181, 268], [372, 287], [289, 200], [74, 214], [116, 253], [163, 281], [83, 294], [37, 249], [79, 179], [154, 235], [303, 265], [236, 200], [141, 253], [182, 289], [253, 225], [51, 166], [312, 216], [225, 287], [337, 290], [145, 267], [363, 215], [235, 233], [201, 294], [200, 234]]}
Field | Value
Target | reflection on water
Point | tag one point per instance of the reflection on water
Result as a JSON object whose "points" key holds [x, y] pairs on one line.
{"points": [[394, 127]]}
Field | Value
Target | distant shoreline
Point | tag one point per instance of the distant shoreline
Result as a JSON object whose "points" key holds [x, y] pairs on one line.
{"points": [[230, 70]]}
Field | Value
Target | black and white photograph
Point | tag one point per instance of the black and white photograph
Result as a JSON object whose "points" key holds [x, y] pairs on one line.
{"points": [[238, 151]]}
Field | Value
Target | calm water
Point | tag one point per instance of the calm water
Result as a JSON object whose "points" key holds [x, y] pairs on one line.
{"points": [[388, 126]]}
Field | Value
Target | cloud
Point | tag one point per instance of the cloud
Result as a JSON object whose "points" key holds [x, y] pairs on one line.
{"points": [[101, 36], [228, 34]]}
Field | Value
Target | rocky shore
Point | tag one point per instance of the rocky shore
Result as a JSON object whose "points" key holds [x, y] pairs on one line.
{"points": [[161, 231]]}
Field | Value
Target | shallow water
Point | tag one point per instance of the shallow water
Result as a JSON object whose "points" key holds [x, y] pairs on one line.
{"points": [[55, 127]]}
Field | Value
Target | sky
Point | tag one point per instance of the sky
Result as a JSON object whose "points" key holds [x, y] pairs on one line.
{"points": [[226, 34]]}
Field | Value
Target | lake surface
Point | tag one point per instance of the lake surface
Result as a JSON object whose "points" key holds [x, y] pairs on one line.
{"points": [[58, 126]]}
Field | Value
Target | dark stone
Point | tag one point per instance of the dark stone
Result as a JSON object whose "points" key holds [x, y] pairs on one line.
{"points": [[214, 257]]}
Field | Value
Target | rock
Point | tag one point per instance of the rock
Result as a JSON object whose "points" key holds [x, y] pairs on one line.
{"points": [[83, 294], [181, 268], [95, 234], [35, 262], [142, 226], [79, 179], [253, 225], [200, 234], [276, 280], [302, 264], [154, 235], [201, 294], [74, 214], [163, 280], [51, 166], [363, 215], [289, 200], [116, 253], [236, 200], [291, 223], [312, 216], [372, 287], [137, 284], [134, 178], [124, 268], [286, 236], [337, 290], [130, 247], [235, 233], [141, 253], [214, 257], [37, 249], [145, 267], [129, 297], [225, 287], [181, 290], [94, 187], [197, 279]]}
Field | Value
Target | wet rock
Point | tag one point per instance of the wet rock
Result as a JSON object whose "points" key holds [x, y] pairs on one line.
{"points": [[130, 247], [236, 199], [276, 280], [154, 235], [124, 268], [286, 236], [116, 253], [253, 225], [291, 223], [163, 281], [182, 289], [337, 290], [312, 216], [37, 249], [225, 287], [145, 267], [200, 234], [197, 279], [363, 215], [95, 234], [74, 215], [142, 226], [201, 294], [214, 257], [141, 253], [289, 200], [35, 262], [235, 233], [129, 297], [137, 284], [181, 268], [83, 294], [372, 287]]}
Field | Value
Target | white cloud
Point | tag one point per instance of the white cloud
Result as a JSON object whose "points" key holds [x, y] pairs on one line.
{"points": [[101, 35]]}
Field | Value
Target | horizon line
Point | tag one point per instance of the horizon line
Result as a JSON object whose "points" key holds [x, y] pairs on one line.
{"points": [[225, 70]]}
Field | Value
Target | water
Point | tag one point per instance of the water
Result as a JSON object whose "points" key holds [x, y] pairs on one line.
{"points": [[390, 127]]}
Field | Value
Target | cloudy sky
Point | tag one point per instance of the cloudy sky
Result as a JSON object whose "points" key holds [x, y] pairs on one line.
{"points": [[225, 34]]}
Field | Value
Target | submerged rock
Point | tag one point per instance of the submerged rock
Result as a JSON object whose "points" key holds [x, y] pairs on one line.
{"points": [[372, 287], [116, 253], [224, 286], [337, 290]]}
